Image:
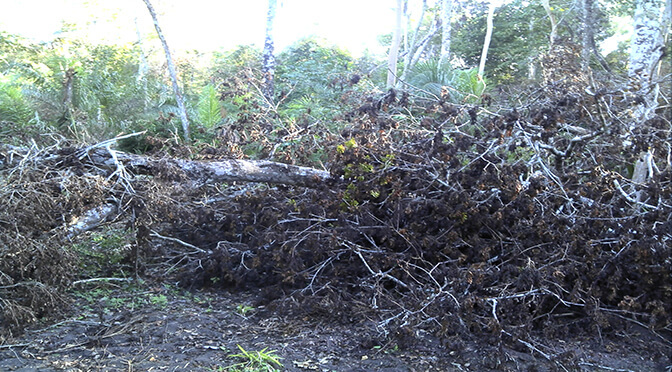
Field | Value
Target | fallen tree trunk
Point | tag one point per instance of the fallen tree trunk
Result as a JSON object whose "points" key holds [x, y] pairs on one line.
{"points": [[199, 171], [228, 170]]}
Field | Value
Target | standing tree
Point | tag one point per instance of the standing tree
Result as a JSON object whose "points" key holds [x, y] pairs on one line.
{"points": [[646, 51], [417, 47], [394, 48], [588, 40], [173, 73], [588, 32], [551, 17], [446, 16], [268, 59], [488, 37], [412, 45]]}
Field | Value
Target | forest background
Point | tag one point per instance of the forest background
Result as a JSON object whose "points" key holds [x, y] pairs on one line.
{"points": [[122, 87]]}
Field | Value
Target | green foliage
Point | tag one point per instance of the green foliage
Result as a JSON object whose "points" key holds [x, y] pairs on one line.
{"points": [[108, 295], [521, 33], [255, 361], [243, 58], [244, 309], [464, 86], [13, 104], [236, 74], [104, 252], [108, 93], [310, 77], [520, 36], [209, 107]]}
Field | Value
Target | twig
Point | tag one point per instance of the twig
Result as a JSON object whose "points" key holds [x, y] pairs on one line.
{"points": [[492, 143], [107, 143], [178, 241], [604, 367], [377, 273], [13, 345], [631, 199], [529, 345], [83, 281]]}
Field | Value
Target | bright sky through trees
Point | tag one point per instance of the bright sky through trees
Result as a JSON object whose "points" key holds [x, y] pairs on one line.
{"points": [[205, 24]]}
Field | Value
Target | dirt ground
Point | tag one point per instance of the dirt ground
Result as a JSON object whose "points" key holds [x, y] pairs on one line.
{"points": [[200, 330]]}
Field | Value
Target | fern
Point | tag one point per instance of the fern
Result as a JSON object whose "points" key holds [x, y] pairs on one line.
{"points": [[464, 86], [209, 107], [13, 105]]}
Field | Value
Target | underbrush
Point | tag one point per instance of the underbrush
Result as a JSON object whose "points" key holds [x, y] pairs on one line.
{"points": [[465, 222]]}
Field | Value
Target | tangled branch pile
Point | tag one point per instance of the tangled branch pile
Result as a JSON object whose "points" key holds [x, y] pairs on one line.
{"points": [[465, 222], [526, 220]]}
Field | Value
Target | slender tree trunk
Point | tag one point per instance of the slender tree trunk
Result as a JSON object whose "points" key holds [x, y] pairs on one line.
{"points": [[143, 67], [488, 37], [446, 29], [407, 17], [588, 38], [532, 58], [394, 48], [173, 73], [587, 6], [667, 20], [424, 43], [68, 83], [551, 17], [268, 62], [412, 46], [646, 51]]}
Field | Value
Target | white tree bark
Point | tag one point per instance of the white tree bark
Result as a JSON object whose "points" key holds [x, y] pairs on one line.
{"points": [[123, 164], [412, 45], [422, 45], [446, 29], [394, 48], [268, 62], [587, 10], [551, 17], [228, 170], [646, 50], [488, 37], [172, 71], [532, 58]]}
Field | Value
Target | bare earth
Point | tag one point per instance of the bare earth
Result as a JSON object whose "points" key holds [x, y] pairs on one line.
{"points": [[198, 331]]}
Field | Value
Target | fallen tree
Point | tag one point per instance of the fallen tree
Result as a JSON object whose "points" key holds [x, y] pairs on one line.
{"points": [[199, 171]]}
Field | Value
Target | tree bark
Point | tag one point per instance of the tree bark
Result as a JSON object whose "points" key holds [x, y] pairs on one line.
{"points": [[551, 17], [646, 52], [110, 161], [422, 45], [268, 59], [588, 38], [532, 58], [68, 84], [446, 29], [412, 45], [394, 48], [172, 71], [488, 37], [228, 170], [587, 6]]}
